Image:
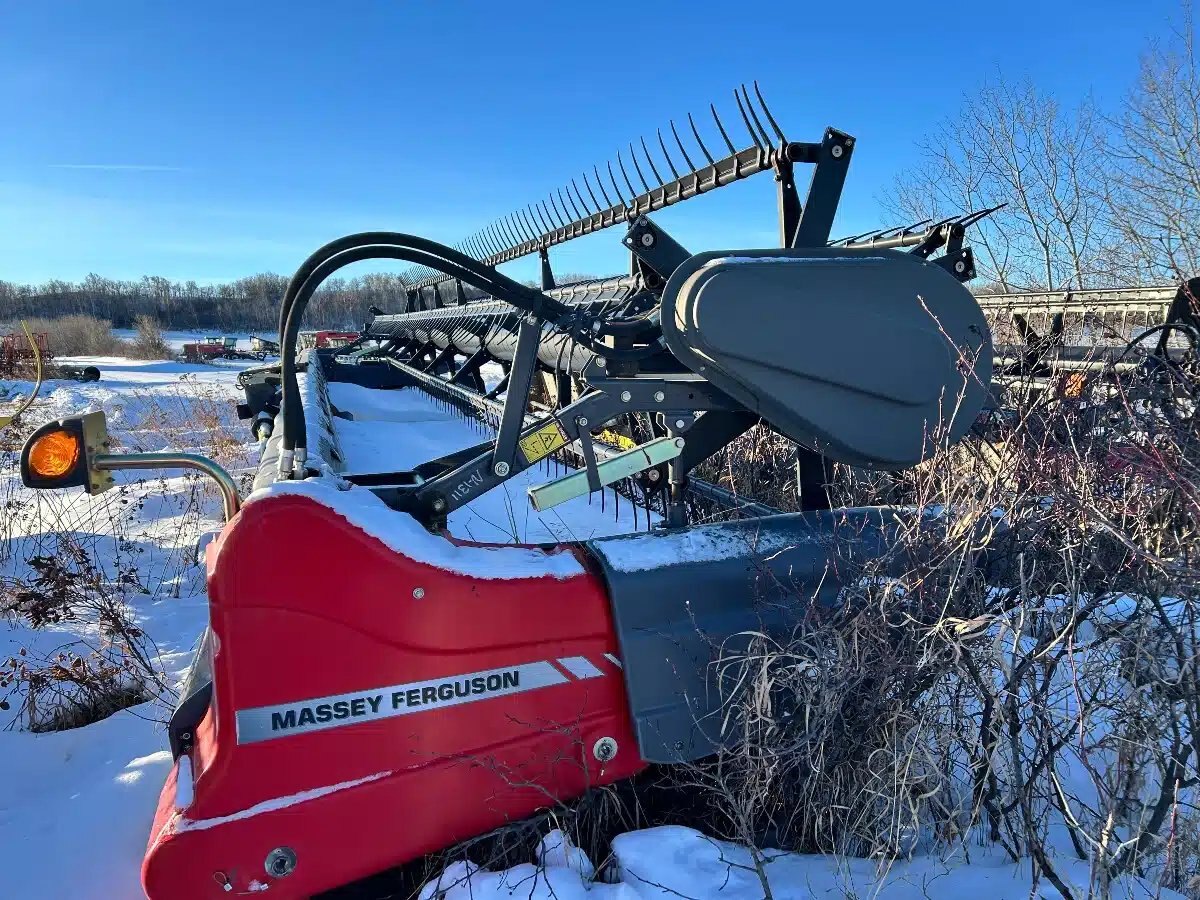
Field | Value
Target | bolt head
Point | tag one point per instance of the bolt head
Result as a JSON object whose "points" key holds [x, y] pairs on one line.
{"points": [[648, 239], [837, 151], [626, 396], [653, 475], [439, 505], [582, 420], [280, 862], [601, 361], [960, 267], [659, 396], [604, 749], [502, 469], [418, 593], [680, 423]]}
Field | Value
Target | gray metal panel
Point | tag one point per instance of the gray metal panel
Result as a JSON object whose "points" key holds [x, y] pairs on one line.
{"points": [[682, 600], [875, 358]]}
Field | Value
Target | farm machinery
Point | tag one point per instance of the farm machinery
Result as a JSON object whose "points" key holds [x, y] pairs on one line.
{"points": [[372, 688], [23, 354]]}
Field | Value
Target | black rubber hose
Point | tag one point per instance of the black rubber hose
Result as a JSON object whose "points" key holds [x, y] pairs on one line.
{"points": [[293, 430], [410, 248], [398, 239]]}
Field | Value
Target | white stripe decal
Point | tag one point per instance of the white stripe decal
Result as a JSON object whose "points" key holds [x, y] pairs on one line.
{"points": [[264, 723], [182, 823], [612, 659], [580, 666]]}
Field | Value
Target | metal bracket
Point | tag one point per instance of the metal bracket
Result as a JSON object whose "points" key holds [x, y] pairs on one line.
{"points": [[959, 263], [654, 247], [516, 401], [825, 190]]}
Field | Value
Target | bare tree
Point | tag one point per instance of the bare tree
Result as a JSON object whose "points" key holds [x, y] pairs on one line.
{"points": [[1011, 144], [1155, 202]]}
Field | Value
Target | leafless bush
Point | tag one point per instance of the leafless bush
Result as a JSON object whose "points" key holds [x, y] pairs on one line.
{"points": [[149, 342], [79, 336], [1054, 692]]}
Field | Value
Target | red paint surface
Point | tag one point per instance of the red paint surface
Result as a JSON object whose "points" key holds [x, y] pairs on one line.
{"points": [[305, 605]]}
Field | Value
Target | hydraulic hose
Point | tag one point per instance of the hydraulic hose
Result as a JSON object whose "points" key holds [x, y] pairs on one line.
{"points": [[394, 245], [293, 421]]}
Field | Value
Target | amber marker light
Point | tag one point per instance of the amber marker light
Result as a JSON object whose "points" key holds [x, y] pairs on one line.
{"points": [[55, 454]]}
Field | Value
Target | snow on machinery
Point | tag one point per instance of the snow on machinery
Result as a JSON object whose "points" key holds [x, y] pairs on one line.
{"points": [[370, 688]]}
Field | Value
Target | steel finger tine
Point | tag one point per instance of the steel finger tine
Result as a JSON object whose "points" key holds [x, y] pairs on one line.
{"points": [[746, 120], [670, 162], [591, 193], [638, 169], [766, 138], [650, 161], [579, 197], [600, 183], [563, 219], [625, 175], [571, 200], [616, 188], [767, 112], [700, 141], [721, 128], [682, 149]]}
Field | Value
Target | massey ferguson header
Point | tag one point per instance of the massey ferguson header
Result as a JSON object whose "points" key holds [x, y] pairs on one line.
{"points": [[371, 689]]}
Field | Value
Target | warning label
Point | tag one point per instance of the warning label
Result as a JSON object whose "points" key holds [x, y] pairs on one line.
{"points": [[543, 442]]}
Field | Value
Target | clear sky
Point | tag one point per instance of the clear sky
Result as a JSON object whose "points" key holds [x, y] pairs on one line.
{"points": [[211, 140]]}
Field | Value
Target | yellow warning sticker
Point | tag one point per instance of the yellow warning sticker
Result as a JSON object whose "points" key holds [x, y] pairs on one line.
{"points": [[616, 439], [543, 442]]}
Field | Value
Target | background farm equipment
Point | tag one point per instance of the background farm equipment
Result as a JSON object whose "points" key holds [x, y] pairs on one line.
{"points": [[323, 340], [19, 355], [213, 348], [263, 347]]}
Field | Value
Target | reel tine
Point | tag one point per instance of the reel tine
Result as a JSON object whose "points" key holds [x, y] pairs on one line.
{"points": [[579, 196], [506, 230], [746, 119], [571, 200], [591, 193], [527, 214], [520, 226], [767, 112], [629, 184], [699, 140], [638, 168], [650, 161], [514, 225], [682, 149], [972, 218], [545, 218], [557, 212], [670, 162], [721, 128], [600, 182], [616, 189], [754, 115]]}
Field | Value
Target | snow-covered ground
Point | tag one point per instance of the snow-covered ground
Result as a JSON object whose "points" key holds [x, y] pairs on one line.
{"points": [[76, 805]]}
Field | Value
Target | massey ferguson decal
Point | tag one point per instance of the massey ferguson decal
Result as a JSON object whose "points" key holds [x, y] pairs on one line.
{"points": [[266, 722]]}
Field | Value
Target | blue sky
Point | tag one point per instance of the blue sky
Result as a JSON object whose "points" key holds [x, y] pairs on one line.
{"points": [[214, 140]]}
